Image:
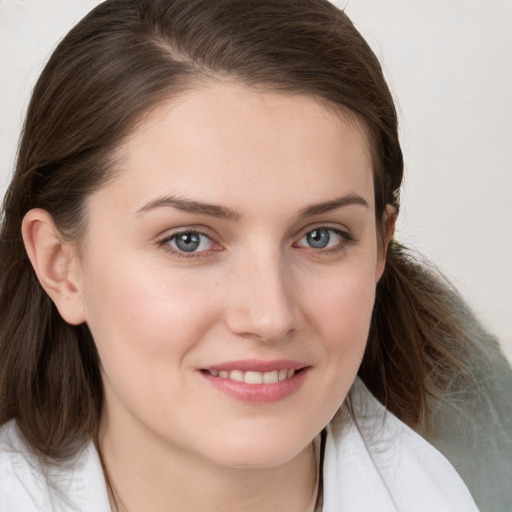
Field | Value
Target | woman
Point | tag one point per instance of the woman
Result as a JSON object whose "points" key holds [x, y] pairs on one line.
{"points": [[197, 261]]}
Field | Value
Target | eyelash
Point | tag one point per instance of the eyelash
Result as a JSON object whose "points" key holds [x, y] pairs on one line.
{"points": [[346, 239]]}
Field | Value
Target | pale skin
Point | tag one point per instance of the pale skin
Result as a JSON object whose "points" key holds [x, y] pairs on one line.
{"points": [[278, 191]]}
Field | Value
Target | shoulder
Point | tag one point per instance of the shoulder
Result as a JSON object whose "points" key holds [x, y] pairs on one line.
{"points": [[373, 461], [31, 485], [21, 481]]}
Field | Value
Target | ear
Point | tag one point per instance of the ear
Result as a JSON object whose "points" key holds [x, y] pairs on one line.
{"points": [[55, 263], [388, 229]]}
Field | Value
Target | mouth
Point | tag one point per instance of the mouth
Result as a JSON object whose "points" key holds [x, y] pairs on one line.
{"points": [[254, 377], [257, 381]]}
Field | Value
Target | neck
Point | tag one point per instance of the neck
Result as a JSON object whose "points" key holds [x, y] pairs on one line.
{"points": [[151, 476]]}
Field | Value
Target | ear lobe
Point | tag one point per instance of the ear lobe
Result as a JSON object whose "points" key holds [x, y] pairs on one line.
{"points": [[55, 263], [389, 218]]}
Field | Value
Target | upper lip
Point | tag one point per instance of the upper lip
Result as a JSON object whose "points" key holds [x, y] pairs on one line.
{"points": [[254, 365]]}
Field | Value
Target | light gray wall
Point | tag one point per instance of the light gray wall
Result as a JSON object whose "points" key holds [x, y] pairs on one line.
{"points": [[449, 65]]}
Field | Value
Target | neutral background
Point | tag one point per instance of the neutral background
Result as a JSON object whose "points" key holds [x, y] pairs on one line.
{"points": [[449, 63]]}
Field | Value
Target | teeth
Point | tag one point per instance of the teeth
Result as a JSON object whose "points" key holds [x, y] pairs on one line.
{"points": [[236, 375], [252, 377], [271, 377]]}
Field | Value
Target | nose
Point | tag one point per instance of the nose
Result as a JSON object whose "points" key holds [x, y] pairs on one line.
{"points": [[263, 304]]}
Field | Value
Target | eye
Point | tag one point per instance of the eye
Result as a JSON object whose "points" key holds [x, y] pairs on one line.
{"points": [[189, 242], [323, 238]]}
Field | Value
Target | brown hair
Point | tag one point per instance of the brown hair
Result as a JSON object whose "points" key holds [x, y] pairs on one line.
{"points": [[118, 62]]}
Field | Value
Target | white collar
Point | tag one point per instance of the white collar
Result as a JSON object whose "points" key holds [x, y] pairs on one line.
{"points": [[376, 462], [28, 485]]}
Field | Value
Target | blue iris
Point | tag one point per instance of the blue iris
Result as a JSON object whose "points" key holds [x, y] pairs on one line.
{"points": [[318, 238], [188, 242]]}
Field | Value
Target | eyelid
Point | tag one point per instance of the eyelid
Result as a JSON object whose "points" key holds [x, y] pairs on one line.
{"points": [[345, 232], [201, 229]]}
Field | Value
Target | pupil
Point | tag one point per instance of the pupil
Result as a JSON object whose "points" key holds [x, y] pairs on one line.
{"points": [[188, 242], [318, 238]]}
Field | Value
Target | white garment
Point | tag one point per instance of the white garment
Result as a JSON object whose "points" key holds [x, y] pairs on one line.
{"points": [[375, 463]]}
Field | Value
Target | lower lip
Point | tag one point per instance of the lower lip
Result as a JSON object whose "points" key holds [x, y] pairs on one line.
{"points": [[258, 393]]}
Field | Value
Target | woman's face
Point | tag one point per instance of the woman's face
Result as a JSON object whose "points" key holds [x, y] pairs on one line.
{"points": [[229, 274]]}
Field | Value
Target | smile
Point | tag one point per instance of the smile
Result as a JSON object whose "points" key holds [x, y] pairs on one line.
{"points": [[256, 381], [254, 377]]}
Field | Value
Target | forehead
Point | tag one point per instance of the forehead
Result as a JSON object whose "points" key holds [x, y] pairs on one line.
{"points": [[223, 137]]}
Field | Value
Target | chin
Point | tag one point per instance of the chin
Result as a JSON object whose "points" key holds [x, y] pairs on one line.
{"points": [[265, 452]]}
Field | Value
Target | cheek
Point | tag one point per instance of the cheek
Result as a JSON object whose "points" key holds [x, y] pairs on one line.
{"points": [[146, 324], [341, 311], [146, 313], [338, 316]]}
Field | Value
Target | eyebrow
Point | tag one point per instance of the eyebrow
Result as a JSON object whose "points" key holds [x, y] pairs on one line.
{"points": [[319, 208], [221, 212], [191, 206]]}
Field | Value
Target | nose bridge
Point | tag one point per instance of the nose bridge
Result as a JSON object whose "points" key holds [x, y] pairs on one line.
{"points": [[263, 304]]}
